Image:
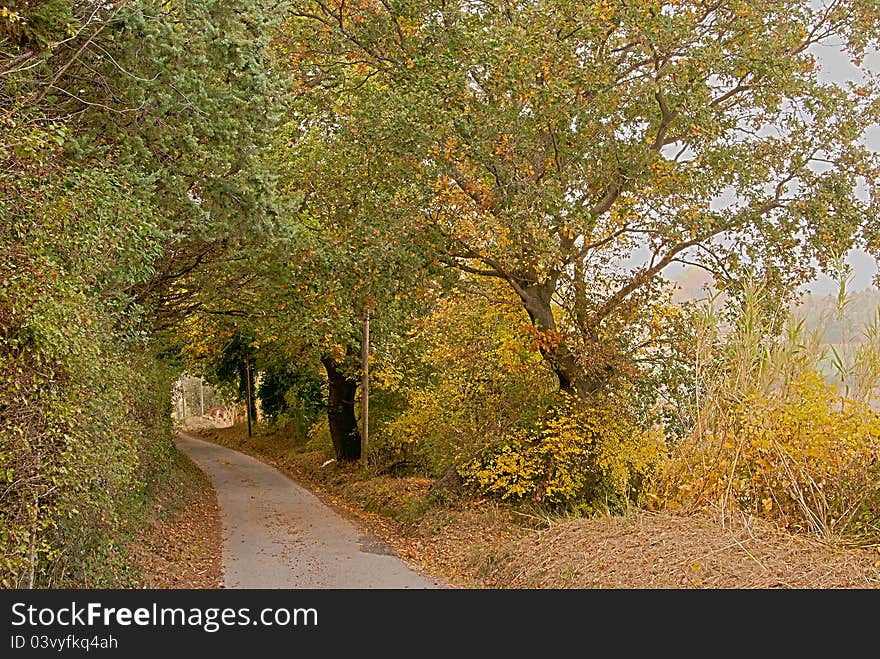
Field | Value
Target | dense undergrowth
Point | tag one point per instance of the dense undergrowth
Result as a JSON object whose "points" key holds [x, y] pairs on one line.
{"points": [[83, 418]]}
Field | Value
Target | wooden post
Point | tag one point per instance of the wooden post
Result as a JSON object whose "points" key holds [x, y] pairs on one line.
{"points": [[247, 378], [365, 389]]}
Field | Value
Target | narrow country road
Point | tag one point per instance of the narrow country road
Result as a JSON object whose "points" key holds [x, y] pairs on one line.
{"points": [[277, 534]]}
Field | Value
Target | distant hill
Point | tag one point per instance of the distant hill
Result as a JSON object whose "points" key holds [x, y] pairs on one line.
{"points": [[818, 311]]}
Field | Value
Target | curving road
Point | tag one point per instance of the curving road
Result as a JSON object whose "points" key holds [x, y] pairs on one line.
{"points": [[277, 534]]}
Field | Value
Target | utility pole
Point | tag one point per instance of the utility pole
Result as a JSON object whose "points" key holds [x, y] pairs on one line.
{"points": [[247, 378], [365, 388]]}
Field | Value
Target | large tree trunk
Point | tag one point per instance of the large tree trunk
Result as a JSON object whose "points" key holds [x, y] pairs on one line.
{"points": [[573, 377], [340, 412]]}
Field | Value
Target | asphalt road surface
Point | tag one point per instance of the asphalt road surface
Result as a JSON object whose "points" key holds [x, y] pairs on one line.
{"points": [[277, 534]]}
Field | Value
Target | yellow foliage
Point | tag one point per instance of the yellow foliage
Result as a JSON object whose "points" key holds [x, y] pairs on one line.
{"points": [[476, 375], [585, 456], [387, 376]]}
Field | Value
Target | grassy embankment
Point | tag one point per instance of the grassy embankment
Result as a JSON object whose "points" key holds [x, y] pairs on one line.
{"points": [[177, 542], [167, 537]]}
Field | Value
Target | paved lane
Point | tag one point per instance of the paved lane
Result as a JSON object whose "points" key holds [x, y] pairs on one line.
{"points": [[277, 534]]}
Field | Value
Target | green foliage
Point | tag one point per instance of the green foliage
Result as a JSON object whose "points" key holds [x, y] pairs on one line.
{"points": [[37, 24], [272, 391], [290, 393], [83, 420], [131, 138], [233, 364]]}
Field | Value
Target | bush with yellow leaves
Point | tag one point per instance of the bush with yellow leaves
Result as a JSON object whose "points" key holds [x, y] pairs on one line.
{"points": [[583, 457], [472, 376], [801, 455]]}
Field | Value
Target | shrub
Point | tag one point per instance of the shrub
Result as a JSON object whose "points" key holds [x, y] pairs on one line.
{"points": [[83, 406], [801, 455], [586, 457], [472, 376]]}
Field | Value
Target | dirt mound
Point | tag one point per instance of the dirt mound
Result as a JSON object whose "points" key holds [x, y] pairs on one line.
{"points": [[650, 550], [197, 422]]}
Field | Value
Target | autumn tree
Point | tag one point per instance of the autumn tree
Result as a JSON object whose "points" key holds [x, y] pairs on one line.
{"points": [[576, 150], [355, 254]]}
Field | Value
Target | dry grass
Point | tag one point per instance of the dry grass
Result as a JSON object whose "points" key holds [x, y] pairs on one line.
{"points": [[659, 550]]}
